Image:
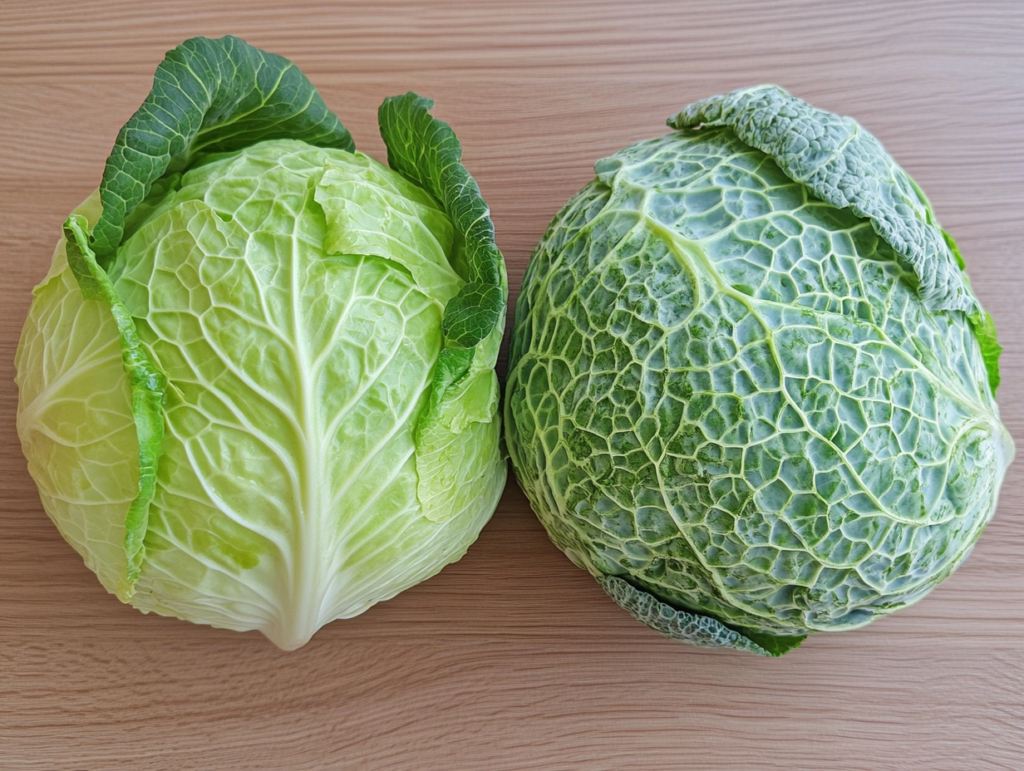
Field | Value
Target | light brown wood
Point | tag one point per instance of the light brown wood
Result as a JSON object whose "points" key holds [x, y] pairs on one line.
{"points": [[513, 658]]}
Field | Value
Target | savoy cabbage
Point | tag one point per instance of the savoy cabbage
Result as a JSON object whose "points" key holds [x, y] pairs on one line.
{"points": [[750, 389]]}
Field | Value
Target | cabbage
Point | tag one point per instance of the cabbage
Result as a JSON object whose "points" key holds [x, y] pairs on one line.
{"points": [[257, 386], [750, 389]]}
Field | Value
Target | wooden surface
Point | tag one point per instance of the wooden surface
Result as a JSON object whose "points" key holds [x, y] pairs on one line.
{"points": [[513, 658]]}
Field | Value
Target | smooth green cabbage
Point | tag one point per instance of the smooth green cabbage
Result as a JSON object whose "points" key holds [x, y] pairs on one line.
{"points": [[750, 389], [257, 386]]}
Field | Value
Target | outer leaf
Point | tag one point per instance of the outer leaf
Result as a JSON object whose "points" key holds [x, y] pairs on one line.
{"points": [[452, 364], [458, 436], [146, 381], [464, 391], [426, 151], [984, 328], [776, 645], [693, 628], [75, 417], [991, 350], [473, 313], [845, 165], [208, 95]]}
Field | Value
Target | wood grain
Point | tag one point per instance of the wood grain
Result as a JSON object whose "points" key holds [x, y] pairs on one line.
{"points": [[512, 658]]}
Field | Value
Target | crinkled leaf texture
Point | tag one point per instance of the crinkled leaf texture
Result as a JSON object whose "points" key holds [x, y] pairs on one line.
{"points": [[845, 165], [324, 445], [749, 380], [693, 628]]}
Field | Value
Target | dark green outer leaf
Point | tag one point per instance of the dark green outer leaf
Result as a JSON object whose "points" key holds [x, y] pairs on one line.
{"points": [[208, 95], [693, 628], [472, 314], [146, 381], [452, 364], [846, 166], [426, 151]]}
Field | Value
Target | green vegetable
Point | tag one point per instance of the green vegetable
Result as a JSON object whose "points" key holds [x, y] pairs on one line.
{"points": [[750, 389], [257, 386]]}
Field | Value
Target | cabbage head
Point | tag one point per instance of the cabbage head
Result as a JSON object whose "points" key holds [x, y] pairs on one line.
{"points": [[750, 389], [257, 386]]}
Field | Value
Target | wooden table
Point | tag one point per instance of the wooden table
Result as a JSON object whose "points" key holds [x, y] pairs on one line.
{"points": [[513, 658]]}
